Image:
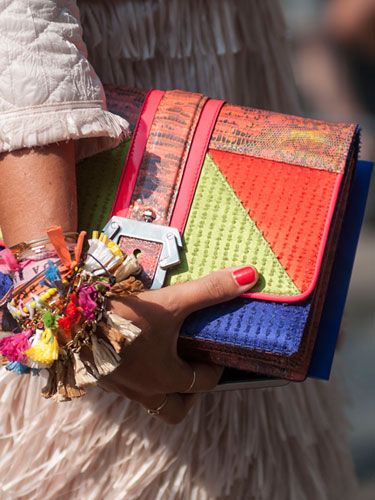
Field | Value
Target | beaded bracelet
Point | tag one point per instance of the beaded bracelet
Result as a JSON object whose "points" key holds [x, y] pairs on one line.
{"points": [[62, 322]]}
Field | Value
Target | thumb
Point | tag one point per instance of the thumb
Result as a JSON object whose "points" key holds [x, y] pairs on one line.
{"points": [[214, 288]]}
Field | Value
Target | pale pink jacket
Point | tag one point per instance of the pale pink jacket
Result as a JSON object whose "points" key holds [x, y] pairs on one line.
{"points": [[49, 92]]}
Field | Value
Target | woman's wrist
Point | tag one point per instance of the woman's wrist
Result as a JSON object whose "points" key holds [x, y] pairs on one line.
{"points": [[37, 190]]}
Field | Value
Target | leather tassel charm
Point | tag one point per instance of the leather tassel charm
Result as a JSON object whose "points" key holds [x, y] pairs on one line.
{"points": [[129, 286], [129, 267], [66, 385], [105, 357], [126, 328], [56, 236], [114, 336], [83, 377], [50, 388]]}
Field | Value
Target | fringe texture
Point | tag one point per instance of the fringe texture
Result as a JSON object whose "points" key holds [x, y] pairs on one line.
{"points": [[283, 443], [232, 49]]}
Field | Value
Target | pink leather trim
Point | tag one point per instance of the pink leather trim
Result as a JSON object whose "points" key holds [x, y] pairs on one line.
{"points": [[197, 153], [323, 243], [135, 155]]}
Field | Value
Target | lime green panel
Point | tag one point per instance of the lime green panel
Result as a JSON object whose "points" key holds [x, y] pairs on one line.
{"points": [[219, 233], [97, 181]]}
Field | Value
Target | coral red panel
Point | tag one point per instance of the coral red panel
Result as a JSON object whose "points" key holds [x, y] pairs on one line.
{"points": [[288, 203]]}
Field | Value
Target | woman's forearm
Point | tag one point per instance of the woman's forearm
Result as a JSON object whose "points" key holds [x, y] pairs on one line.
{"points": [[37, 190]]}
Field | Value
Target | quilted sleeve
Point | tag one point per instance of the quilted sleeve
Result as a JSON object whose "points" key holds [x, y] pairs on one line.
{"points": [[49, 92]]}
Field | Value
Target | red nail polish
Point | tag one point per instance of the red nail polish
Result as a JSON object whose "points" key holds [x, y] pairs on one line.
{"points": [[245, 275]]}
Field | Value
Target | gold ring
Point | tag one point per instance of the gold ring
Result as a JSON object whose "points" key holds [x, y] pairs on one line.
{"points": [[192, 382], [156, 411]]}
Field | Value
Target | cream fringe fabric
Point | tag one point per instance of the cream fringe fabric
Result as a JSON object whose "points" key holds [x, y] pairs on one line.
{"points": [[280, 444], [233, 49], [277, 444]]}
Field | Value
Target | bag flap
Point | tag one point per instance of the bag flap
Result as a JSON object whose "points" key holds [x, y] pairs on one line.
{"points": [[266, 194]]}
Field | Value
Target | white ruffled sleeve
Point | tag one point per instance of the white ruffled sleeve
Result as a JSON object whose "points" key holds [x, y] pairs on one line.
{"points": [[49, 92]]}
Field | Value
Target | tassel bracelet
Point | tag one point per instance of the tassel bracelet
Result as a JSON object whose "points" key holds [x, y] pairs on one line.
{"points": [[61, 322]]}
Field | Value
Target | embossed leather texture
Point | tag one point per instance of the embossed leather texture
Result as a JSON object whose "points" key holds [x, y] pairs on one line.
{"points": [[271, 192]]}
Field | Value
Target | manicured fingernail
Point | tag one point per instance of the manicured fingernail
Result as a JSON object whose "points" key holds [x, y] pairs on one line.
{"points": [[245, 275]]}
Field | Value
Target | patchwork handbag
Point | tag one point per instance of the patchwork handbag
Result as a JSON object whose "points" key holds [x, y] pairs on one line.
{"points": [[202, 185]]}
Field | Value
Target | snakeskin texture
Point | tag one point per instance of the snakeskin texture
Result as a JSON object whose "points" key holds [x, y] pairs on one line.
{"points": [[290, 139], [126, 102], [165, 155]]}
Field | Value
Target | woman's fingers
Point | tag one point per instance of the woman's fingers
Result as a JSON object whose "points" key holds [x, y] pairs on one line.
{"points": [[172, 408], [185, 298], [212, 289]]}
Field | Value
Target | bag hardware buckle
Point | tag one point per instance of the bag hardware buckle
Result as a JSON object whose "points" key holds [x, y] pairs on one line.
{"points": [[168, 236]]}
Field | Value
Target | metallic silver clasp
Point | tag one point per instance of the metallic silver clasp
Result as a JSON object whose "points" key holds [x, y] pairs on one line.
{"points": [[169, 237]]}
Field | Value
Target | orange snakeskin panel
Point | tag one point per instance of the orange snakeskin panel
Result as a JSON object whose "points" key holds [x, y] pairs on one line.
{"points": [[289, 139], [165, 155]]}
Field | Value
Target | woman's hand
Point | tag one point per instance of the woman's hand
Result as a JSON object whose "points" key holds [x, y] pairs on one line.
{"points": [[151, 372], [37, 189]]}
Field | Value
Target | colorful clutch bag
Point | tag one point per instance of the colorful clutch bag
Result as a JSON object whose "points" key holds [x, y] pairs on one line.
{"points": [[204, 185]]}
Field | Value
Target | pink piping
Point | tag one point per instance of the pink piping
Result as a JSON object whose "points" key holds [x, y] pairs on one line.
{"points": [[193, 167], [323, 243]]}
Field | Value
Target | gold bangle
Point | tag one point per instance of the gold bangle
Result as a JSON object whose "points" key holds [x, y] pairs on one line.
{"points": [[192, 382], [156, 411]]}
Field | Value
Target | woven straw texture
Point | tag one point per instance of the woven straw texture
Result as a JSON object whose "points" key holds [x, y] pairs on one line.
{"points": [[97, 181], [219, 233], [254, 324]]}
